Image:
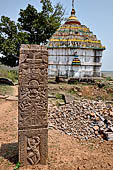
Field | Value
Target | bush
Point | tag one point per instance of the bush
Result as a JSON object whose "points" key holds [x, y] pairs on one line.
{"points": [[108, 78]]}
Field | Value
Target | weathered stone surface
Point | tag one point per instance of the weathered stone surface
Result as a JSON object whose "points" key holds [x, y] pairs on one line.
{"points": [[68, 99], [33, 104], [111, 114], [3, 97], [33, 146], [96, 128], [12, 98]]}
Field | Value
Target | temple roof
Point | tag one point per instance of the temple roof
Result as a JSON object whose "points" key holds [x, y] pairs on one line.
{"points": [[74, 35]]}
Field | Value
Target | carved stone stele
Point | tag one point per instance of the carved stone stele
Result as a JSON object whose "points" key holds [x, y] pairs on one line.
{"points": [[33, 105]]}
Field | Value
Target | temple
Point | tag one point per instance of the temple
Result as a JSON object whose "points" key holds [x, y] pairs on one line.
{"points": [[74, 51]]}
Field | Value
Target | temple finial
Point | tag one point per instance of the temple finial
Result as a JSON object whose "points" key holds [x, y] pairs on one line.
{"points": [[72, 4], [73, 9]]}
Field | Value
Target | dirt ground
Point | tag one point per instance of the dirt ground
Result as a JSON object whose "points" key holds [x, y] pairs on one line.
{"points": [[65, 152]]}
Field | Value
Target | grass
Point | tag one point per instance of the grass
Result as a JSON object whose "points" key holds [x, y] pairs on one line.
{"points": [[108, 78], [57, 104], [111, 95], [58, 96], [6, 90], [10, 74], [1, 159], [72, 91], [73, 82]]}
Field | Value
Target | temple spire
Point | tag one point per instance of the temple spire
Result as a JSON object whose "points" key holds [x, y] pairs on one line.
{"points": [[72, 4], [73, 9]]}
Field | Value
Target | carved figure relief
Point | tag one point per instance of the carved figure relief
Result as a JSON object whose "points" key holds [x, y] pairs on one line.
{"points": [[33, 105], [35, 120], [33, 153], [33, 88]]}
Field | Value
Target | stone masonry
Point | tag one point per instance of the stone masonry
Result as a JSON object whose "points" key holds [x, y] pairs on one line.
{"points": [[33, 105]]}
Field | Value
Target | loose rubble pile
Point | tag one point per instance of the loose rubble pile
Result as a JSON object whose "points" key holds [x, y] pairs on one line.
{"points": [[83, 119]]}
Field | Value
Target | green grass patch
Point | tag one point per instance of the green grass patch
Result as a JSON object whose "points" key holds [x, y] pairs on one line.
{"points": [[58, 96], [111, 96], [1, 159], [72, 91], [10, 74], [109, 79], [73, 82]]}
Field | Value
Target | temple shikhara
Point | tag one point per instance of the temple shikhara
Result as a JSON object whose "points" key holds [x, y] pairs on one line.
{"points": [[74, 51]]}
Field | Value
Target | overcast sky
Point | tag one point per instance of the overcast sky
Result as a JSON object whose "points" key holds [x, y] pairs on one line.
{"points": [[95, 14]]}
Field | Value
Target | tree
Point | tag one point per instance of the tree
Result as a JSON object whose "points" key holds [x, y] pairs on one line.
{"points": [[10, 41], [41, 25], [33, 27]]}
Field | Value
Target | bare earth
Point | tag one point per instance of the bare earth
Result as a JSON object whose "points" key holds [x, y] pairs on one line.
{"points": [[65, 152]]}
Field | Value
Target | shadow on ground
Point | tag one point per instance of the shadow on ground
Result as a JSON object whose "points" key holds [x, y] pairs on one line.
{"points": [[9, 151]]}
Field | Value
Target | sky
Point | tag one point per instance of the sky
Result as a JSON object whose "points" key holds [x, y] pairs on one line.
{"points": [[95, 14]]}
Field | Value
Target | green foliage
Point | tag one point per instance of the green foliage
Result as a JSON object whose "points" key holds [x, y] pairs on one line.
{"points": [[41, 25], [7, 27], [33, 27], [11, 41], [17, 166]]}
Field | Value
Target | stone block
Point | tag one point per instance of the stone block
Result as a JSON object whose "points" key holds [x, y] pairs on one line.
{"points": [[33, 104], [33, 146]]}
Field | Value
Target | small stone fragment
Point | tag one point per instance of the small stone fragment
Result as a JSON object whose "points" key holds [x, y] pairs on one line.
{"points": [[95, 128]]}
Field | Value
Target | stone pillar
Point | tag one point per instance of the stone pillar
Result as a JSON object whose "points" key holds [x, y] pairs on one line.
{"points": [[33, 105]]}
